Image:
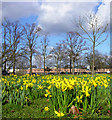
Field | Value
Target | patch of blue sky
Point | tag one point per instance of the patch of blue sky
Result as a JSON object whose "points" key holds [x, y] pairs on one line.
{"points": [[104, 48], [53, 39], [29, 19], [96, 7]]}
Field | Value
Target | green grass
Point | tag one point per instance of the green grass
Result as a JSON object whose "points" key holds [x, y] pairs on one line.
{"points": [[35, 110]]}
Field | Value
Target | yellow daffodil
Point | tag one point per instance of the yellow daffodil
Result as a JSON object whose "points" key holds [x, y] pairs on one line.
{"points": [[50, 95], [21, 88], [49, 87], [46, 95], [40, 86], [59, 114], [105, 85], [46, 108]]}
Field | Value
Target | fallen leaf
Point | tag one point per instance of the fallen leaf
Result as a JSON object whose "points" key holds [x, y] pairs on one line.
{"points": [[12, 111], [74, 110]]}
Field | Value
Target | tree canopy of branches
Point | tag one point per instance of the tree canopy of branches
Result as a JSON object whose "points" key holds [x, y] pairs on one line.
{"points": [[94, 29], [31, 35], [11, 48], [75, 45], [101, 61], [58, 54]]}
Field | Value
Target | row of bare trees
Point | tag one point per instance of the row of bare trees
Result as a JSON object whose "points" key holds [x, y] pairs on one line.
{"points": [[21, 42], [18, 41]]}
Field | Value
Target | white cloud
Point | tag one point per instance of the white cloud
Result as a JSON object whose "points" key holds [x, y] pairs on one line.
{"points": [[49, 48], [58, 17], [21, 9], [104, 11], [54, 16]]}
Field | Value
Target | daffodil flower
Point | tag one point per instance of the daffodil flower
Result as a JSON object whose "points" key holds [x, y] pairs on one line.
{"points": [[59, 114], [46, 108], [46, 95]]}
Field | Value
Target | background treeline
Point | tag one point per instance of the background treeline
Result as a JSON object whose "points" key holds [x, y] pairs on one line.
{"points": [[28, 46]]}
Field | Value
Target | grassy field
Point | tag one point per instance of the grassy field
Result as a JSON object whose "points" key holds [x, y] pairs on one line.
{"points": [[35, 110], [53, 96]]}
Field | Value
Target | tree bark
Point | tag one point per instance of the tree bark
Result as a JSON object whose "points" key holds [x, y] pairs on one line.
{"points": [[31, 63], [14, 58], [93, 72], [72, 66], [44, 63], [4, 49], [77, 68], [57, 67], [14, 63], [4, 66]]}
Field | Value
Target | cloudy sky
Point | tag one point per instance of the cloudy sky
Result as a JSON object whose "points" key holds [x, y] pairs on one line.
{"points": [[56, 17]]}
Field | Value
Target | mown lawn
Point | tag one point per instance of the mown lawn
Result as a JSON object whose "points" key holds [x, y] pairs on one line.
{"points": [[36, 110]]}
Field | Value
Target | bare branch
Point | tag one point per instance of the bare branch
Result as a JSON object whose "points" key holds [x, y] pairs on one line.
{"points": [[102, 41], [86, 32]]}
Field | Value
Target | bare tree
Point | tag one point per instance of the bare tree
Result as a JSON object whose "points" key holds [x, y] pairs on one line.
{"points": [[31, 35], [23, 62], [44, 45], [17, 34], [75, 46], [4, 33], [94, 30], [38, 60], [101, 60], [58, 53], [110, 62], [12, 35], [6, 44]]}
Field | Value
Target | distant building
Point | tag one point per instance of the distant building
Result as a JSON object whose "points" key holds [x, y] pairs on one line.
{"points": [[54, 70]]}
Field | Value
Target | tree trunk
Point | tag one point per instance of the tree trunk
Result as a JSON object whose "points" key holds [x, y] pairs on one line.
{"points": [[4, 53], [31, 63], [44, 63], [93, 72], [14, 62], [57, 67], [4, 66], [72, 66], [77, 68], [14, 58]]}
